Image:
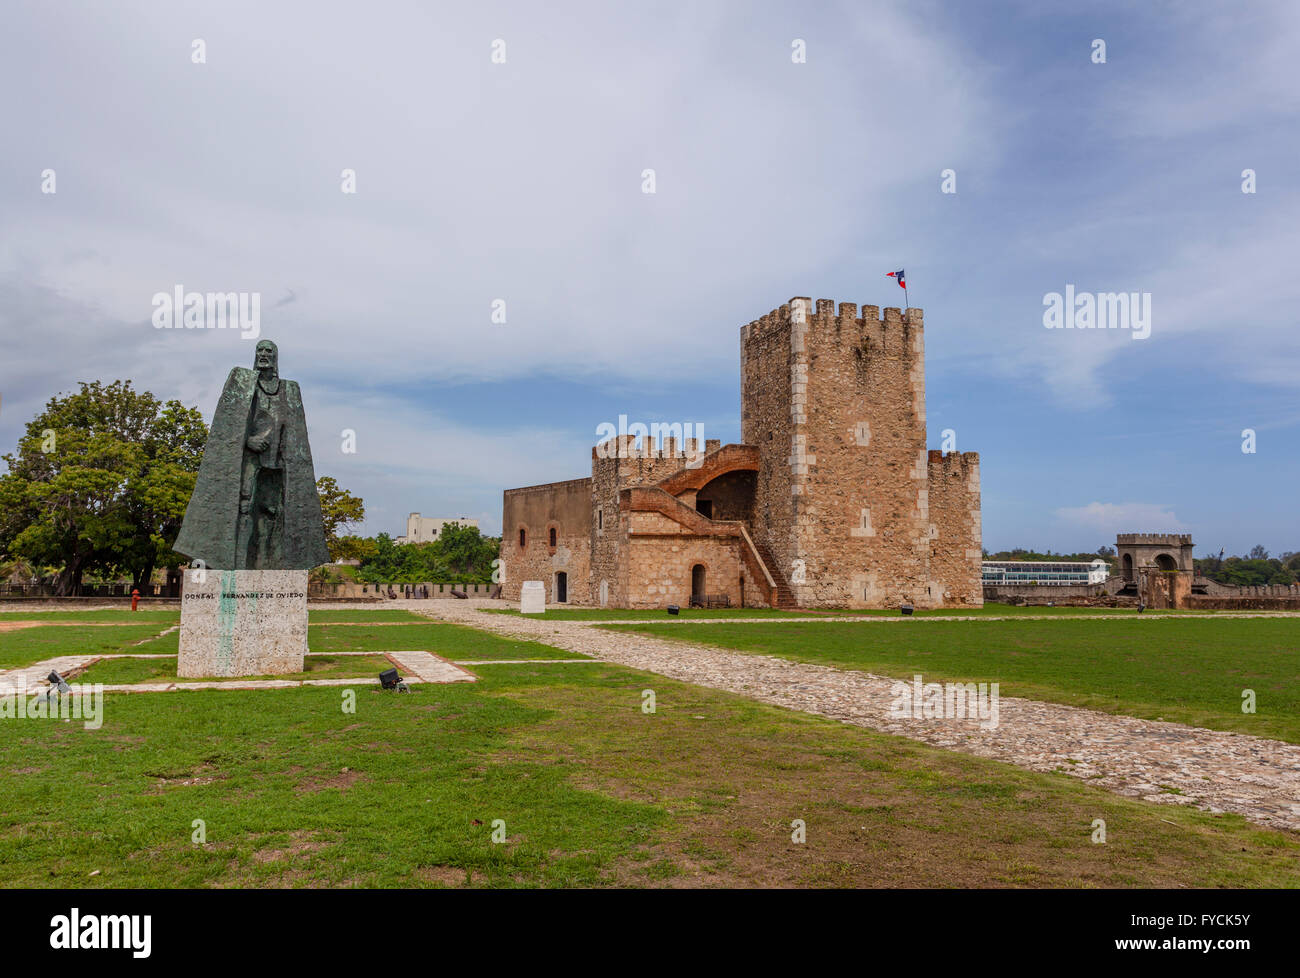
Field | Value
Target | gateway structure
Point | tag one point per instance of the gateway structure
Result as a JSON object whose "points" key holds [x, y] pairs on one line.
{"points": [[832, 499]]}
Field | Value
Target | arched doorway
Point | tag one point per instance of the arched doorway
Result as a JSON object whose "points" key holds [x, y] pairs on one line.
{"points": [[1128, 567], [1166, 563], [561, 587], [697, 582]]}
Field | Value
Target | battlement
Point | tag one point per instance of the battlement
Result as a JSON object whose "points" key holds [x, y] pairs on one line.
{"points": [[1158, 539], [958, 463], [800, 310], [643, 446]]}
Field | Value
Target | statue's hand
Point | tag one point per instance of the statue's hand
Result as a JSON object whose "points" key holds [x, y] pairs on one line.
{"points": [[259, 443]]}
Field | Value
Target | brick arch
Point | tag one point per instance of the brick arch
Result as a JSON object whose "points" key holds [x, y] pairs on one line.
{"points": [[729, 458]]}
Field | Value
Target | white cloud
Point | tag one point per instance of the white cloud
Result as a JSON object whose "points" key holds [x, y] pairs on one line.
{"points": [[1123, 517], [477, 182]]}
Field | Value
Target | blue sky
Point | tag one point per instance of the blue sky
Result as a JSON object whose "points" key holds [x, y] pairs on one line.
{"points": [[522, 181]]}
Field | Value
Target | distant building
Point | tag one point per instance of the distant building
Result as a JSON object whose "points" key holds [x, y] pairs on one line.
{"points": [[426, 529], [1159, 551], [999, 572]]}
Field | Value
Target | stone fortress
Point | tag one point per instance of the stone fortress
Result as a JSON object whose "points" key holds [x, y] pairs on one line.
{"points": [[831, 501]]}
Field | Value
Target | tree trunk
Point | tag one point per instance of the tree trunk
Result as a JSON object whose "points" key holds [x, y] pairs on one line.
{"points": [[142, 577], [69, 580]]}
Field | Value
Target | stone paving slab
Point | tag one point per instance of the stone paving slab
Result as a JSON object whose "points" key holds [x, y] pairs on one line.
{"points": [[1215, 770], [35, 674], [431, 668]]}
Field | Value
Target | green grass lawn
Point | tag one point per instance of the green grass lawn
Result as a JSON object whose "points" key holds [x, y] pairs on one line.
{"points": [[120, 616], [988, 610], [361, 613], [164, 670], [29, 645], [1189, 671], [169, 644], [449, 641], [25, 646], [292, 791]]}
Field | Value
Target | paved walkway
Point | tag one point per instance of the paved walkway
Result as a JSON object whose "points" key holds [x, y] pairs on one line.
{"points": [[415, 667], [1166, 763]]}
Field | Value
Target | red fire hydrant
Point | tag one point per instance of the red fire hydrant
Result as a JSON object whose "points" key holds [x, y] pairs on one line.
{"points": [[135, 598]]}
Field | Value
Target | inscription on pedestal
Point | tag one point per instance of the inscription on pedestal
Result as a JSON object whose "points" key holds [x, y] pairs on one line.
{"points": [[243, 623]]}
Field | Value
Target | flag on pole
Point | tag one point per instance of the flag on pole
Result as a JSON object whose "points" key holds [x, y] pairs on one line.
{"points": [[902, 282]]}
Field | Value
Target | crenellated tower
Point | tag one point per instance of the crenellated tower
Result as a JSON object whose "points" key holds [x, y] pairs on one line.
{"points": [[835, 403]]}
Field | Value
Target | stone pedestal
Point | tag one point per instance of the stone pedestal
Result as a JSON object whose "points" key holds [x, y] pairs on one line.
{"points": [[243, 623], [532, 598]]}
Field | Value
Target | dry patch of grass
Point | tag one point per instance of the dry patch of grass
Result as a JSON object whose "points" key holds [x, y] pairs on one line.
{"points": [[877, 811]]}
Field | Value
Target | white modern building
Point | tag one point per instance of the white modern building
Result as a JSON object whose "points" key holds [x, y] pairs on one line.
{"points": [[1045, 572], [426, 529]]}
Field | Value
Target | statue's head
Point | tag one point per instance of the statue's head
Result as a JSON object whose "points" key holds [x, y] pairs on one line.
{"points": [[267, 357]]}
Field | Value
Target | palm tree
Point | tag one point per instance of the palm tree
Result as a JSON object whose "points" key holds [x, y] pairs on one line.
{"points": [[16, 571]]}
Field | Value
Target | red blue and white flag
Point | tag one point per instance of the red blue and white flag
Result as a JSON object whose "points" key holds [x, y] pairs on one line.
{"points": [[902, 282]]}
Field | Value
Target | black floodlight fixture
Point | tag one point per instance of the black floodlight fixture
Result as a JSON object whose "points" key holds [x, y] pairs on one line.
{"points": [[673, 609], [389, 679], [58, 682], [906, 609]]}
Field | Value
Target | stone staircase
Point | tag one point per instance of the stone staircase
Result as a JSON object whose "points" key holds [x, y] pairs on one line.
{"points": [[784, 596]]}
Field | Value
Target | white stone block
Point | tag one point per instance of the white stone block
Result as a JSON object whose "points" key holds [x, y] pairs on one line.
{"points": [[242, 623], [532, 598]]}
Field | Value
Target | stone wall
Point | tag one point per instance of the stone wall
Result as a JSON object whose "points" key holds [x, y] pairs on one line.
{"points": [[1042, 593], [1215, 589], [353, 590], [769, 371], [956, 559], [659, 568], [617, 464], [1165, 589], [1198, 602], [564, 506]]}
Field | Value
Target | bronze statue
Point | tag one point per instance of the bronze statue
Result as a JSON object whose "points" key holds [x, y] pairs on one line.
{"points": [[254, 505]]}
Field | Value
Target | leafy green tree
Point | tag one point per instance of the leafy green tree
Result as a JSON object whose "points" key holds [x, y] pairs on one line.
{"points": [[460, 555], [467, 553], [99, 482], [354, 548], [340, 509]]}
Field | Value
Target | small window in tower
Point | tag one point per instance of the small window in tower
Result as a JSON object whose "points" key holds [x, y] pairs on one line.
{"points": [[523, 537], [600, 519], [552, 536]]}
